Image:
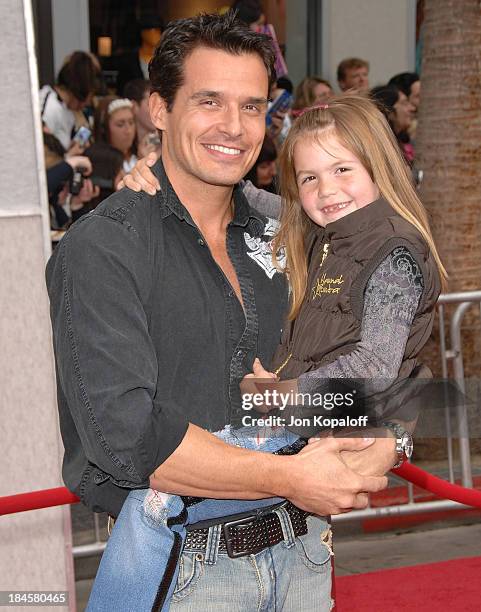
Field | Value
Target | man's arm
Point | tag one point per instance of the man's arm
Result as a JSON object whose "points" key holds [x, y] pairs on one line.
{"points": [[316, 479], [98, 281]]}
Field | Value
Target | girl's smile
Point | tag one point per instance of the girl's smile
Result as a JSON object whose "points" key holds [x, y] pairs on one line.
{"points": [[332, 181]]}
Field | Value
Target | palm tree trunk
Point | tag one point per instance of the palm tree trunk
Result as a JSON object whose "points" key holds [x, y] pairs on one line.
{"points": [[448, 149]]}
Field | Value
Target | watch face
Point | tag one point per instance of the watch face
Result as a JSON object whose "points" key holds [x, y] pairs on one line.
{"points": [[407, 444]]}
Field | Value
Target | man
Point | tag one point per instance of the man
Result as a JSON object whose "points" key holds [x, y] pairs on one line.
{"points": [[353, 74], [135, 64], [138, 92], [160, 305]]}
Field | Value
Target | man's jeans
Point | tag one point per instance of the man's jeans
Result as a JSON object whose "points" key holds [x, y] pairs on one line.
{"points": [[140, 565], [292, 576]]}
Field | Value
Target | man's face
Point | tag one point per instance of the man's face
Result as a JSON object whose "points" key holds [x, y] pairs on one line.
{"points": [[216, 127], [356, 78], [142, 113]]}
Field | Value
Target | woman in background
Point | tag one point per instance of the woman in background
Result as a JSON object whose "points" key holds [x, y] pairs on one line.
{"points": [[263, 173], [399, 112], [311, 91], [115, 125]]}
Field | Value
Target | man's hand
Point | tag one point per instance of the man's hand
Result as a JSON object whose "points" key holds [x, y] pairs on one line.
{"points": [[375, 460], [141, 178], [75, 149], [319, 481]]}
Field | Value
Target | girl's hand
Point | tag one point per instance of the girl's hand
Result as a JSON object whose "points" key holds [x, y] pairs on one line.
{"points": [[248, 384], [141, 178]]}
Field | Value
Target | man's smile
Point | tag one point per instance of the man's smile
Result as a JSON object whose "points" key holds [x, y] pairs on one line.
{"points": [[231, 151]]}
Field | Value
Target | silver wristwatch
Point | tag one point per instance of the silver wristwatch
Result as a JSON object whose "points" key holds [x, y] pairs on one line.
{"points": [[404, 442]]}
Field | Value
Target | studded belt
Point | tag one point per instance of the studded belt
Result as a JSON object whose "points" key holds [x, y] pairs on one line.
{"points": [[251, 534]]}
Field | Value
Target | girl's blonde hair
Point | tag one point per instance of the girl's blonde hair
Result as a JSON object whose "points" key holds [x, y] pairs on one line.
{"points": [[363, 130]]}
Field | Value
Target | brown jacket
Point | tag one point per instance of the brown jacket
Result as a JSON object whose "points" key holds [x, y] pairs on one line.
{"points": [[329, 322]]}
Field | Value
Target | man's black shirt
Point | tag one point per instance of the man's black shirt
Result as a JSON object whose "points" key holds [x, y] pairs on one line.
{"points": [[149, 335]]}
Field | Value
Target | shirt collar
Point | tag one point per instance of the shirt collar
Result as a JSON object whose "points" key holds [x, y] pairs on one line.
{"points": [[244, 215], [359, 220]]}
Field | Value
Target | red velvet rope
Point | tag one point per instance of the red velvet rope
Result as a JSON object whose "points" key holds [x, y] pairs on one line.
{"points": [[61, 495], [36, 500], [438, 486]]}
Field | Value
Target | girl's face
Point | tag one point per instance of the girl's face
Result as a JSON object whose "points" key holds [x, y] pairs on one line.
{"points": [[122, 129], [332, 182]]}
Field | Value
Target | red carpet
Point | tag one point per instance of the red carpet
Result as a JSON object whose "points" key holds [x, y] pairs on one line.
{"points": [[448, 586]]}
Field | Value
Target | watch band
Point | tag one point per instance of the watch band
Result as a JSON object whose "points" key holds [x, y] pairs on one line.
{"points": [[404, 442]]}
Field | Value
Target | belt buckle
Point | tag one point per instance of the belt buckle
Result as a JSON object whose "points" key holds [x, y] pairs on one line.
{"points": [[248, 520]]}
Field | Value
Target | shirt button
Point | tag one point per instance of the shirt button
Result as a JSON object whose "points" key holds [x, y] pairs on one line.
{"points": [[200, 241], [99, 478], [239, 354]]}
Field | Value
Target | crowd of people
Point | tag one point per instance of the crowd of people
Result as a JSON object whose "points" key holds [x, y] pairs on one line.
{"points": [[90, 141], [96, 138]]}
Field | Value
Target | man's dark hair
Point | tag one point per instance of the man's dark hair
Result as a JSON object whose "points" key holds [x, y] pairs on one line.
{"points": [[403, 81], [181, 37], [135, 89]]}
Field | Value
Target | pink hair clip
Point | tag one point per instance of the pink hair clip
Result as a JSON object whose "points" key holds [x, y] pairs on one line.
{"points": [[299, 113], [315, 107]]}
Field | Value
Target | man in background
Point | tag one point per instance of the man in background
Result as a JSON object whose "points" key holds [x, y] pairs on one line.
{"points": [[138, 92], [353, 75]]}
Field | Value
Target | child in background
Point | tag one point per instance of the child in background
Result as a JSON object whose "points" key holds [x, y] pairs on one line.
{"points": [[364, 275]]}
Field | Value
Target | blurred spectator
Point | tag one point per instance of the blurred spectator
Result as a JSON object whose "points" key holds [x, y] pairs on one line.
{"points": [[251, 13], [69, 189], [410, 85], [107, 172], [263, 174], [353, 74], [115, 125], [280, 122], [398, 110], [135, 65], [148, 139], [138, 92], [76, 83], [52, 148], [311, 91], [284, 82]]}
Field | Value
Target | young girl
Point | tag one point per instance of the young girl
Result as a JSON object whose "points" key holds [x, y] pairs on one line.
{"points": [[364, 276]]}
